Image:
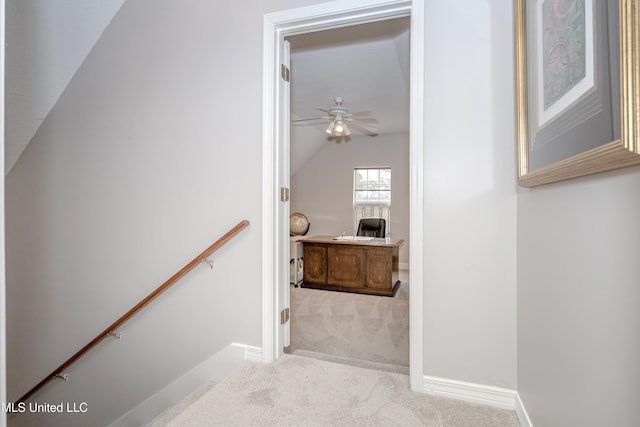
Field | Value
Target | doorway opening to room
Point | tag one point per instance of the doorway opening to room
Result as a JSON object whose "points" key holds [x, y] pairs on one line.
{"points": [[276, 175], [349, 172]]}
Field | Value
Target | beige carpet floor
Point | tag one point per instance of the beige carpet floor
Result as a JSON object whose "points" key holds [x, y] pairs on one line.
{"points": [[301, 391], [349, 326]]}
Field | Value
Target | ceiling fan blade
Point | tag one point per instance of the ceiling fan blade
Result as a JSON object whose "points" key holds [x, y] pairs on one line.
{"points": [[362, 113], [364, 129], [362, 119], [321, 109], [311, 118]]}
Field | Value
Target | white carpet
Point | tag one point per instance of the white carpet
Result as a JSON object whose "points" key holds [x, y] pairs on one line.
{"points": [[300, 391], [366, 327]]}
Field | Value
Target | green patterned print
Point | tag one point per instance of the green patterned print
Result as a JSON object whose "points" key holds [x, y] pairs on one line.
{"points": [[563, 47]]}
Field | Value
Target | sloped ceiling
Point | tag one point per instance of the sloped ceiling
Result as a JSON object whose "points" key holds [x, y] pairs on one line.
{"points": [[368, 65], [46, 41]]}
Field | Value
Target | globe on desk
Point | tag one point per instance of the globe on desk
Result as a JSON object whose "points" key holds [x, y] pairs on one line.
{"points": [[298, 224]]}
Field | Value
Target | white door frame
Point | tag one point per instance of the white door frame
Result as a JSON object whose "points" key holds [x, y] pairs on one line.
{"points": [[325, 16]]}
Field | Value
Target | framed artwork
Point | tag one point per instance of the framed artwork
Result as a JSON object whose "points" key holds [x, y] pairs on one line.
{"points": [[577, 88]]}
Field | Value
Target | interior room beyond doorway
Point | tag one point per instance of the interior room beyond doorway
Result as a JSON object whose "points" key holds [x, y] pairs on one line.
{"points": [[367, 65]]}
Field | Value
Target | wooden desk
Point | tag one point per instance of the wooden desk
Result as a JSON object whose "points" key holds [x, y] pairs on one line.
{"points": [[362, 266]]}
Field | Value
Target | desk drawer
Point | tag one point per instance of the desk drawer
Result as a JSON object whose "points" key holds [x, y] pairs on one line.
{"points": [[347, 266], [315, 264], [379, 268]]}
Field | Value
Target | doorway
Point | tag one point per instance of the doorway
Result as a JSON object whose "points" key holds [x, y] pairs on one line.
{"points": [[275, 160], [365, 66]]}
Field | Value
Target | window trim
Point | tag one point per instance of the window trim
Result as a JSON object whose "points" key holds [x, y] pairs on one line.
{"points": [[382, 206]]}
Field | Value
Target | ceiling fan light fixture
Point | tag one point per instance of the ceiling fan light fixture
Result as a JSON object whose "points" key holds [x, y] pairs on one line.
{"points": [[342, 129], [338, 128], [339, 115], [329, 129]]}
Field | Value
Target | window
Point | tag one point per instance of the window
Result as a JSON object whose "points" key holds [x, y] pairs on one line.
{"points": [[372, 195]]}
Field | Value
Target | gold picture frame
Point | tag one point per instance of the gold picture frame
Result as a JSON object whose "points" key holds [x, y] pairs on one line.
{"points": [[619, 153]]}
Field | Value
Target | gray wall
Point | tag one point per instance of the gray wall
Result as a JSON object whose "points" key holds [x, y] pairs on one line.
{"points": [[579, 301], [469, 193], [323, 187]]}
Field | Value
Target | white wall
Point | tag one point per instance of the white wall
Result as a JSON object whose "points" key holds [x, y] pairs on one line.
{"points": [[469, 193], [323, 187], [151, 153], [578, 301]]}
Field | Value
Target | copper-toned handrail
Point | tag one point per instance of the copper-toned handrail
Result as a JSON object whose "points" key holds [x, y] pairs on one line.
{"points": [[197, 260]]}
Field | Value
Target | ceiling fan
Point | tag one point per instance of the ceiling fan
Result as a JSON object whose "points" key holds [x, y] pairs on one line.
{"points": [[338, 117]]}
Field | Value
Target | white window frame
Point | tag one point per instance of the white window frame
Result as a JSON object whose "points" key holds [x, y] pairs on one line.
{"points": [[368, 209]]}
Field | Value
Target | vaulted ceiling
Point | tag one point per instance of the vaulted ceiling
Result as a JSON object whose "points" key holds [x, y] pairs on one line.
{"points": [[367, 65], [46, 41]]}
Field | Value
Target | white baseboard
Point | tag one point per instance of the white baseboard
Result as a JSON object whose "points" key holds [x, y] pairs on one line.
{"points": [[525, 421], [477, 393], [470, 392], [214, 368], [251, 353]]}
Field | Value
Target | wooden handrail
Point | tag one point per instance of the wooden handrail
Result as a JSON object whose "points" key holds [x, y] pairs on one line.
{"points": [[197, 260]]}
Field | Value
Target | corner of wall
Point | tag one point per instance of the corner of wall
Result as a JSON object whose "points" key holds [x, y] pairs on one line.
{"points": [[523, 416]]}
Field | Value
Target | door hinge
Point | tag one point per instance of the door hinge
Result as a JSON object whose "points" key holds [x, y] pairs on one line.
{"points": [[284, 316], [284, 71], [284, 194]]}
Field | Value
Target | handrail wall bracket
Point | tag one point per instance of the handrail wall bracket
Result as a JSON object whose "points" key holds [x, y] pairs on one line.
{"points": [[64, 377], [208, 261]]}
